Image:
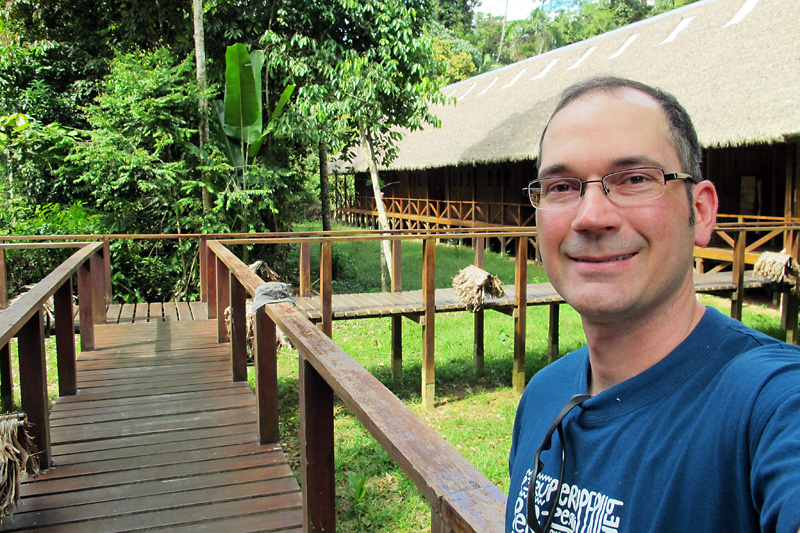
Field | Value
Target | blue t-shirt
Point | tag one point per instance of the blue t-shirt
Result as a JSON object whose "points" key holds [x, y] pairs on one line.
{"points": [[706, 440]]}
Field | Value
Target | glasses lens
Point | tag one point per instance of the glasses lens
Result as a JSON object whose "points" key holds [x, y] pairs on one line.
{"points": [[554, 193], [635, 185]]}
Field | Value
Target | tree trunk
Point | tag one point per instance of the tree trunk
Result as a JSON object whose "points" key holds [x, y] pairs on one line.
{"points": [[502, 34], [202, 103], [383, 221], [324, 187]]}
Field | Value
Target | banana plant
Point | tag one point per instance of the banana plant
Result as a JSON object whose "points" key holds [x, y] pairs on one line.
{"points": [[240, 127]]}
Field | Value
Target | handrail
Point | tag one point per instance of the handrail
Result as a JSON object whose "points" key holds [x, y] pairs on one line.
{"points": [[24, 319], [460, 496]]}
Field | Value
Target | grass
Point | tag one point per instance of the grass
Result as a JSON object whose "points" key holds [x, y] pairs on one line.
{"points": [[52, 369]]}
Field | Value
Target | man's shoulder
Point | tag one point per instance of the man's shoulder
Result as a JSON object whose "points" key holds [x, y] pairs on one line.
{"points": [[564, 376]]}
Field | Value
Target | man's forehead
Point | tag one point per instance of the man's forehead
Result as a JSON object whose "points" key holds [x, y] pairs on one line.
{"points": [[598, 117], [625, 95]]}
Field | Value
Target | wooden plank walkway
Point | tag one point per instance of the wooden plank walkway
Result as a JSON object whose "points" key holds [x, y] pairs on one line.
{"points": [[158, 437], [382, 304]]}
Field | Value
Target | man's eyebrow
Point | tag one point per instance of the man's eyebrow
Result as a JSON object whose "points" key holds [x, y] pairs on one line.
{"points": [[558, 169], [633, 161], [621, 163]]}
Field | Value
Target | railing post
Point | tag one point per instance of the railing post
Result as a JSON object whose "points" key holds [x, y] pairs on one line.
{"points": [[265, 355], [98, 288], [326, 287], [33, 384], [478, 316], [85, 304], [238, 331], [737, 299], [520, 313], [211, 281], [316, 447], [428, 322], [202, 252], [789, 298], [305, 269], [3, 278], [552, 334], [6, 383], [397, 321], [223, 300], [65, 340], [107, 270]]}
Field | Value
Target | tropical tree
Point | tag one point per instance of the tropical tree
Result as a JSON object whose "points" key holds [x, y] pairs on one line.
{"points": [[365, 69], [240, 131]]}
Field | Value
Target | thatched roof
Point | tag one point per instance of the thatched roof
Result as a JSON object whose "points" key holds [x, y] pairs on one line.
{"points": [[734, 64]]}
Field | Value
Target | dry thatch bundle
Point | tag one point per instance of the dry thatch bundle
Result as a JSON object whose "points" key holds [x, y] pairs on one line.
{"points": [[473, 285], [17, 455], [777, 267]]}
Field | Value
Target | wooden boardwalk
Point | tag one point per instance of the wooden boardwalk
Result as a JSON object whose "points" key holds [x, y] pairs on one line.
{"points": [[158, 437], [409, 303]]}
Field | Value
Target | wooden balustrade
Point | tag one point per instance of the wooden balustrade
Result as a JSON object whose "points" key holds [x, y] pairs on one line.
{"points": [[24, 319], [460, 496]]}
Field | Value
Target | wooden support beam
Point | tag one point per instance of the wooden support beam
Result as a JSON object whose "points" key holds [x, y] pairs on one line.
{"points": [[3, 278], [552, 333], [6, 381], [85, 306], [223, 300], [428, 324], [65, 340], [33, 384], [521, 283], [211, 280], [107, 271], [397, 322], [397, 348], [326, 287], [316, 449], [202, 250], [478, 317], [737, 300], [265, 355], [98, 288], [305, 269], [238, 333]]}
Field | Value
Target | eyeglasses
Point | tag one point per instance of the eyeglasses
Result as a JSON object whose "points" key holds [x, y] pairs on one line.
{"points": [[533, 521], [628, 187]]}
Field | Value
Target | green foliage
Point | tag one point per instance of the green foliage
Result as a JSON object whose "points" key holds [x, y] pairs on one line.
{"points": [[133, 158], [46, 80], [27, 267], [358, 484], [30, 154], [456, 55]]}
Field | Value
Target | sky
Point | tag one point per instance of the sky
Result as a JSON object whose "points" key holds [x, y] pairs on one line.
{"points": [[517, 9]]}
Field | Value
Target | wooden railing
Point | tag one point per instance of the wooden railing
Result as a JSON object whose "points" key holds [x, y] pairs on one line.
{"points": [[739, 241], [460, 496], [419, 213], [24, 319], [521, 237]]}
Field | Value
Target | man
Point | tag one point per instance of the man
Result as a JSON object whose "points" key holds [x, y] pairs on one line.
{"points": [[673, 417]]}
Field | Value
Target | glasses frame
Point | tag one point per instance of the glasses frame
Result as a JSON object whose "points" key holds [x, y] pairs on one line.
{"points": [[533, 522], [672, 176]]}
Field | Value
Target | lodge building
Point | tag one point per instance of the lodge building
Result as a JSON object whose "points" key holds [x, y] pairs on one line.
{"points": [[734, 65]]}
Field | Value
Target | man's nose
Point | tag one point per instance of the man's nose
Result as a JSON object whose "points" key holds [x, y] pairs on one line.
{"points": [[595, 209]]}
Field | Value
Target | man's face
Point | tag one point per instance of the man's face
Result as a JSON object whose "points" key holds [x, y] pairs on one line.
{"points": [[615, 263]]}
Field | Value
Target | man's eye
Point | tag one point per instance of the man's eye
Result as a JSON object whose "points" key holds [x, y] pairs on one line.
{"points": [[635, 179], [562, 187]]}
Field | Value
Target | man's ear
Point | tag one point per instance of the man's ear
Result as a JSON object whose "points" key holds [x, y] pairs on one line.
{"points": [[706, 203]]}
